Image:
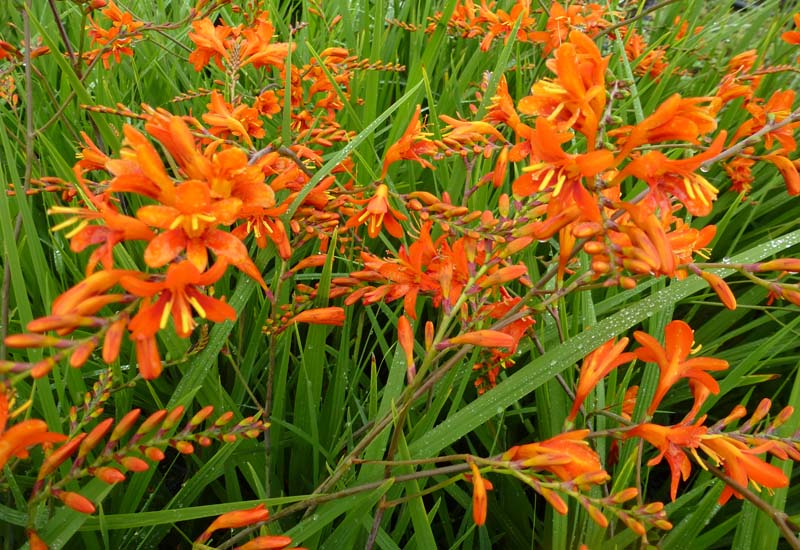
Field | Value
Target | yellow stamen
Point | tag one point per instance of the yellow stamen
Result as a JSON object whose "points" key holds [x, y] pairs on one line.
{"points": [[65, 223], [197, 307], [165, 314], [176, 222], [77, 230], [559, 184], [22, 408], [546, 180]]}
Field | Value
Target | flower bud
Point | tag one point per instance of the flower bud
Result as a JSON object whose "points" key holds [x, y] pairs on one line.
{"points": [[124, 425], [152, 421], [134, 464], [109, 475], [77, 502]]}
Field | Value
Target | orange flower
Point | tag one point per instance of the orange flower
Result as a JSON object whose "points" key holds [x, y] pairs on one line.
{"points": [[741, 465], [178, 296], [677, 178], [672, 360], [258, 49], [413, 143], [210, 42], [596, 366], [676, 119], [378, 212], [793, 37], [671, 441], [234, 520], [241, 121], [566, 455], [577, 97], [113, 229], [15, 440]]}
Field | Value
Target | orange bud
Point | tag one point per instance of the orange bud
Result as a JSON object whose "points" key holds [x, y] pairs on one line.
{"points": [[515, 246], [634, 525], [785, 414], [113, 340], [594, 247], [154, 453], [134, 464], [483, 338], [478, 496], [504, 205], [43, 367], [596, 515], [57, 457], [31, 340], [625, 495], [627, 283], [109, 475], [233, 520], [425, 197], [320, 316], [152, 421], [223, 419], [317, 260], [722, 289], [94, 437], [429, 334], [184, 447], [173, 418], [81, 353], [791, 295], [405, 335], [77, 502], [781, 264], [600, 266], [124, 425], [761, 411], [201, 415], [503, 275], [555, 500], [266, 542], [585, 230], [35, 542]]}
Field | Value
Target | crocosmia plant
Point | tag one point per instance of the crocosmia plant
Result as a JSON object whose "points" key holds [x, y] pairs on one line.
{"points": [[399, 274]]}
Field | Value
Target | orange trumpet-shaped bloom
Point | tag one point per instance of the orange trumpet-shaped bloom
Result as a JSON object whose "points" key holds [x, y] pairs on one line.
{"points": [[378, 213], [241, 121], [671, 441], [577, 97], [234, 520], [596, 366], [15, 441], [676, 119], [178, 297], [741, 465], [672, 360], [567, 455], [413, 143], [677, 178], [211, 43]]}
